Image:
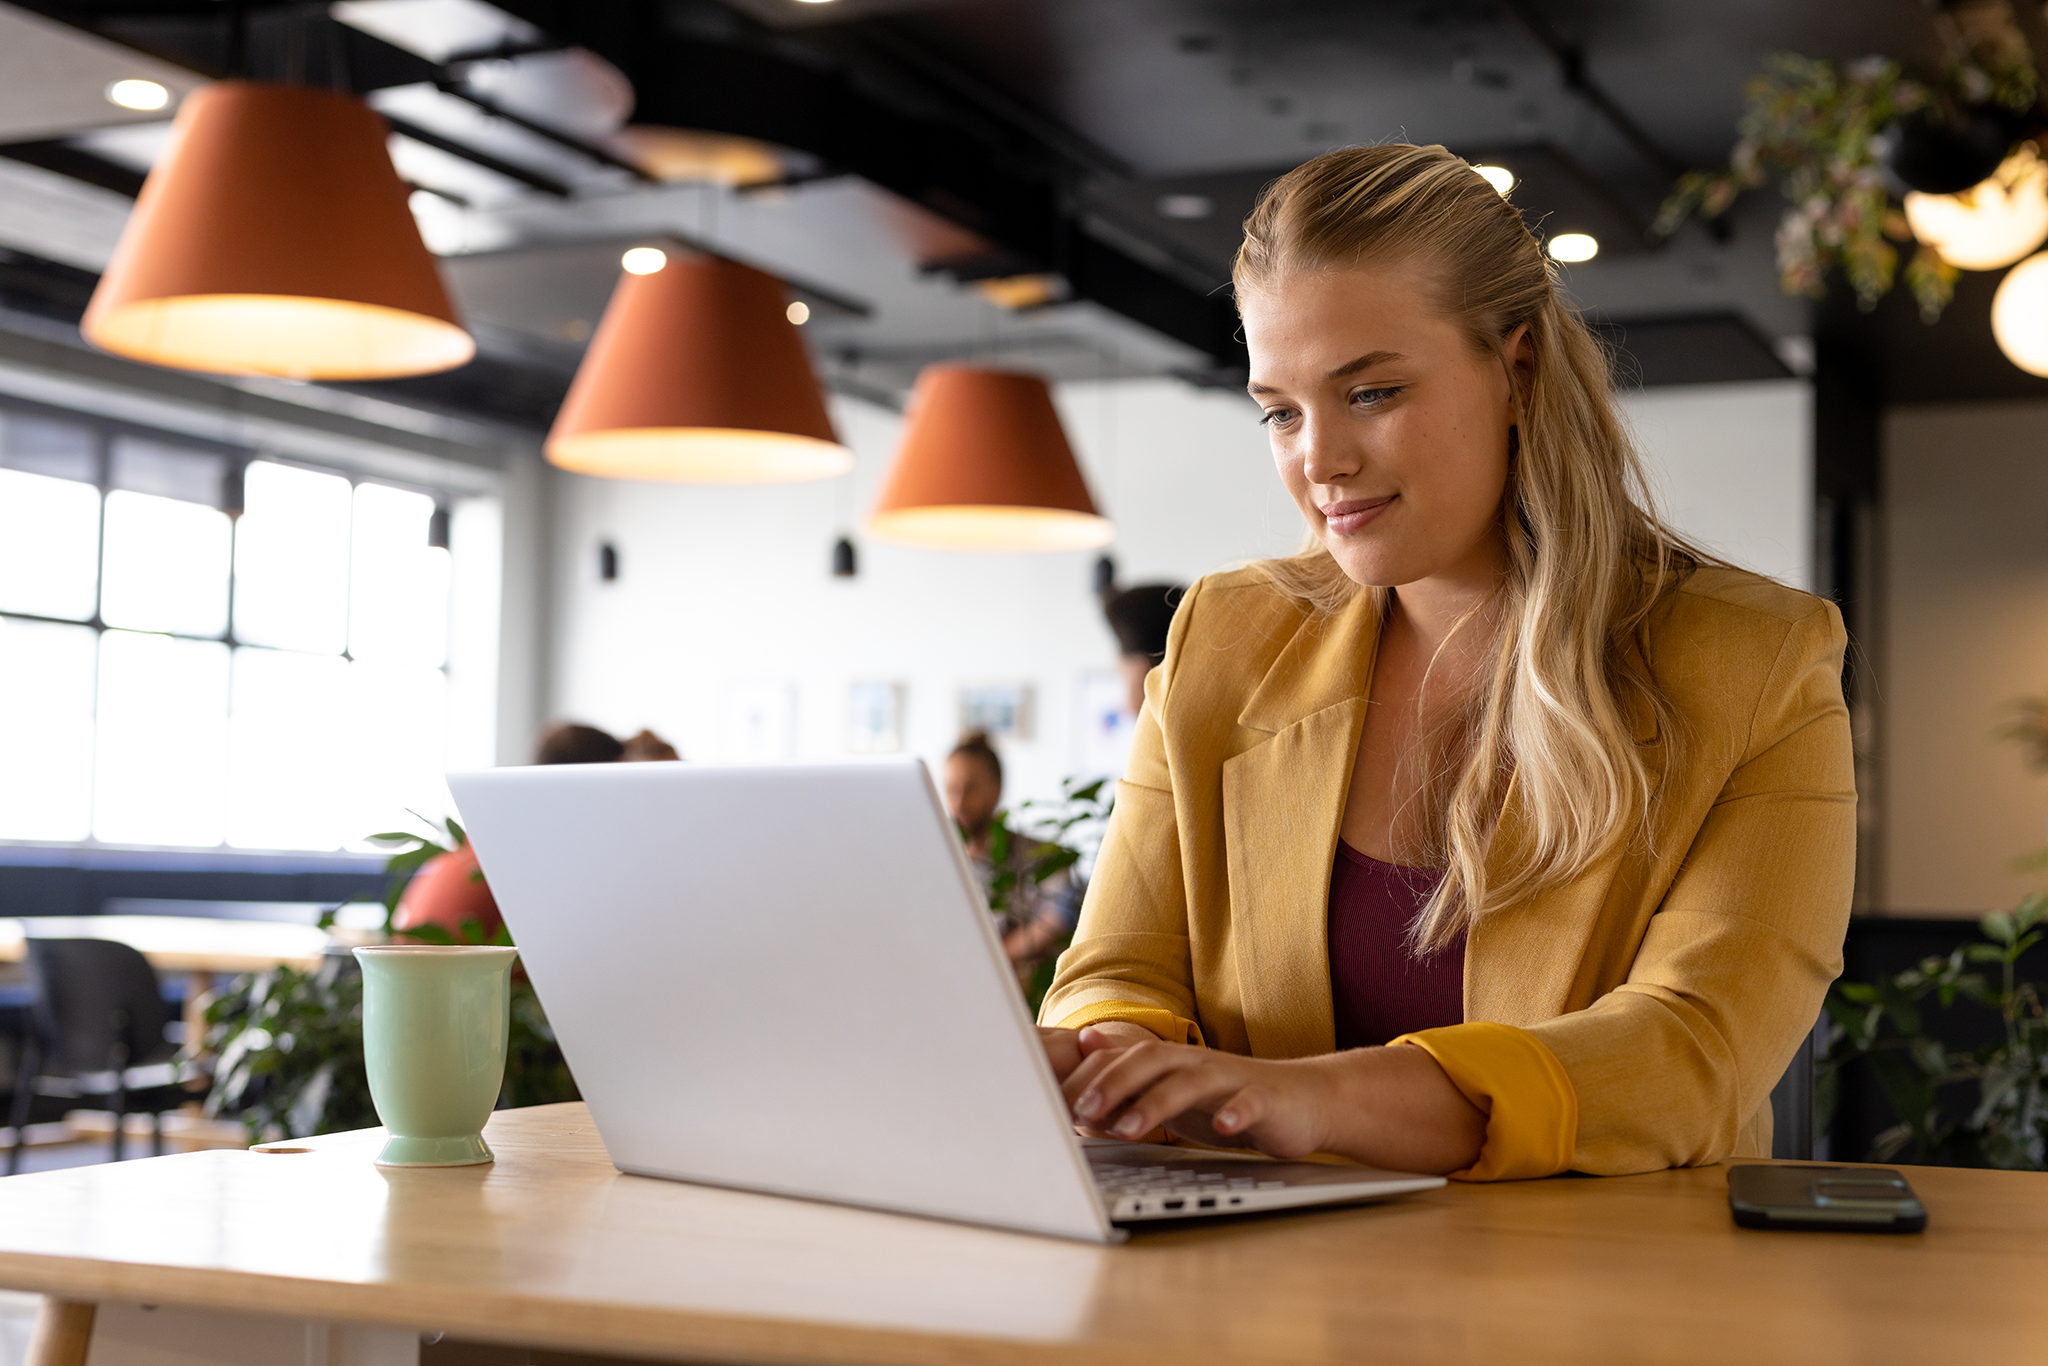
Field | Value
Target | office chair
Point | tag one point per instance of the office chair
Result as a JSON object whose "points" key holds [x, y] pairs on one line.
{"points": [[1792, 1099], [96, 1029]]}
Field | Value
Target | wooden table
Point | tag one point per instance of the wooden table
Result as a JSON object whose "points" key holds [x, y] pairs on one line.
{"points": [[552, 1248], [196, 946]]}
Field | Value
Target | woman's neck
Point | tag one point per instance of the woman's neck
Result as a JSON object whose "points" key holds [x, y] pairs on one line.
{"points": [[1454, 603]]}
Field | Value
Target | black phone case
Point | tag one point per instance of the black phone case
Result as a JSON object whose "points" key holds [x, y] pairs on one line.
{"points": [[1824, 1199]]}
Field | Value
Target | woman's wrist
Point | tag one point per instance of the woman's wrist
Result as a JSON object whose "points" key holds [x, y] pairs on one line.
{"points": [[1396, 1108]]}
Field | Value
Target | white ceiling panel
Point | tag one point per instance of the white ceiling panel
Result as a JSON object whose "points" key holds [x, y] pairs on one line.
{"points": [[54, 78]]}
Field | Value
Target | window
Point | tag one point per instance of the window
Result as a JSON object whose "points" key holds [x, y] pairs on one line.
{"points": [[174, 675]]}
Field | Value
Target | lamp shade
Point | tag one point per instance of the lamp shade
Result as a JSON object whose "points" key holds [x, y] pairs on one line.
{"points": [[985, 465], [274, 238], [696, 375], [1993, 223]]}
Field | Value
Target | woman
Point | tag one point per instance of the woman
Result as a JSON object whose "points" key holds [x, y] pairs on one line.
{"points": [[1500, 832]]}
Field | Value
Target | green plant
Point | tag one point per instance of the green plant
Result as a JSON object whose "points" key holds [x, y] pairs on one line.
{"points": [[1060, 833], [288, 1049], [1886, 1022], [1821, 127], [288, 1044]]}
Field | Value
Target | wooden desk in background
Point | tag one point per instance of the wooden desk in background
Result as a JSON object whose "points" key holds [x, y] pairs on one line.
{"points": [[196, 946], [552, 1248]]}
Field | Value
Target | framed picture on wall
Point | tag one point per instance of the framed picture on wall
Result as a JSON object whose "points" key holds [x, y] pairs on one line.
{"points": [[1104, 725], [1001, 709], [874, 718]]}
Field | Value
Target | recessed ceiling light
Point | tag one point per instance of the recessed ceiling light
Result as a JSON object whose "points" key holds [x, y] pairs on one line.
{"points": [[644, 260], [138, 94], [799, 312], [1573, 246], [1500, 177], [1186, 206], [816, 2]]}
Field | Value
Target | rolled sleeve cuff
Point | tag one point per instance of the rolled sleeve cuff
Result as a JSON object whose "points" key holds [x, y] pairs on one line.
{"points": [[1164, 1023], [1532, 1112]]}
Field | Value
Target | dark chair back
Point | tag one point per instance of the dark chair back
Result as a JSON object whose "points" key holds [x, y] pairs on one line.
{"points": [[1792, 1102], [98, 1007]]}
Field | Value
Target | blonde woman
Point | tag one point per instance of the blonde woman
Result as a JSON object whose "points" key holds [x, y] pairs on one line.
{"points": [[1498, 833]]}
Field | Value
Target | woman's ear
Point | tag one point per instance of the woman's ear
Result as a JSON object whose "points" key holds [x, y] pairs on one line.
{"points": [[1519, 348]]}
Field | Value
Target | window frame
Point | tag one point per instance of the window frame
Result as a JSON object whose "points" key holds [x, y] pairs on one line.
{"points": [[106, 432]]}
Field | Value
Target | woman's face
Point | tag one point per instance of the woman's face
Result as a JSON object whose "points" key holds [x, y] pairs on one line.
{"points": [[1389, 428]]}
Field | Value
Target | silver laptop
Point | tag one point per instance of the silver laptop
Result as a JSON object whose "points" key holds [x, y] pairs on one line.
{"points": [[784, 978]]}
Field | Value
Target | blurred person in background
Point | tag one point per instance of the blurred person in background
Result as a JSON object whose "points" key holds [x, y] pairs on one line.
{"points": [[1036, 916], [1140, 617], [450, 891]]}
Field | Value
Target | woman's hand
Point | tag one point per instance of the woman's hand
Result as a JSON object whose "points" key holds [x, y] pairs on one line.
{"points": [[1388, 1107], [1064, 1048]]}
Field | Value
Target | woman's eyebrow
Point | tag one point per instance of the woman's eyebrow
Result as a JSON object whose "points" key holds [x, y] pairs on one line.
{"points": [[1364, 362], [1351, 367]]}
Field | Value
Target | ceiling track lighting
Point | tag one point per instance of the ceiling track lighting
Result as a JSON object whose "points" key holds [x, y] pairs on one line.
{"points": [[696, 375], [985, 465], [275, 238]]}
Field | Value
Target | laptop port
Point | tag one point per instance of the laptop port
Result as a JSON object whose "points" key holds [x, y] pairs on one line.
{"points": [[1206, 1202], [1235, 1201], [1174, 1204]]}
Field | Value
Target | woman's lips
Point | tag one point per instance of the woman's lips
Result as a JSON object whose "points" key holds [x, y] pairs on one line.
{"points": [[1355, 514]]}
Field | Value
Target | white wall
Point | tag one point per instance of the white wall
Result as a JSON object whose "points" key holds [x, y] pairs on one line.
{"points": [[726, 592], [1965, 613], [1733, 468]]}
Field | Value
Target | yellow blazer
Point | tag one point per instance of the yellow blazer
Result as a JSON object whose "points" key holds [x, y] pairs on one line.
{"points": [[1649, 1005]]}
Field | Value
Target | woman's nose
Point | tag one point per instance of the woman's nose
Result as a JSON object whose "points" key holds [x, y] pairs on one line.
{"points": [[1326, 456]]}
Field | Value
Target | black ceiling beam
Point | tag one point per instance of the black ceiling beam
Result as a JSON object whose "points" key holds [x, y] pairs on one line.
{"points": [[960, 163], [77, 163]]}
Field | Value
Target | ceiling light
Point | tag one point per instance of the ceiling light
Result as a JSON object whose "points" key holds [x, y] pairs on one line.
{"points": [[1573, 246], [1020, 292], [274, 238], [1500, 177], [2019, 315], [691, 156], [695, 376], [1186, 206], [799, 312], [138, 94], [985, 465], [643, 260], [1991, 224]]}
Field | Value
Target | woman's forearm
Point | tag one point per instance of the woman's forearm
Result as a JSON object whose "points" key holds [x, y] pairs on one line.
{"points": [[1395, 1108]]}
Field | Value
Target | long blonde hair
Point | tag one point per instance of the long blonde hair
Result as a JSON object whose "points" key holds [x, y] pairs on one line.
{"points": [[1588, 557]]}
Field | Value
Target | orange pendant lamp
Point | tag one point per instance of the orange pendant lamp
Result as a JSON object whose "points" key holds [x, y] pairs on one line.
{"points": [[274, 238], [696, 375], [985, 465]]}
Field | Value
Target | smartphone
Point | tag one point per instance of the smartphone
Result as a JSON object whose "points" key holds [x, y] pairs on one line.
{"points": [[1845, 1199]]}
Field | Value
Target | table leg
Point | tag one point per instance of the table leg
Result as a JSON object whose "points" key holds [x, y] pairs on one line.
{"points": [[63, 1333]]}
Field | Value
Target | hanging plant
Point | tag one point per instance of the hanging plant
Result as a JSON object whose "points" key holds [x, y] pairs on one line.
{"points": [[1838, 135]]}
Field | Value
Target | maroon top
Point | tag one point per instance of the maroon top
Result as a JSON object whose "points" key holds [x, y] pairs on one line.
{"points": [[1378, 988]]}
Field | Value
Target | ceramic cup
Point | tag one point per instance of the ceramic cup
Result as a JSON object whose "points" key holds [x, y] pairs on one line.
{"points": [[435, 1020]]}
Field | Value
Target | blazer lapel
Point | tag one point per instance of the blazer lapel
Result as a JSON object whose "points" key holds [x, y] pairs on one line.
{"points": [[1283, 802]]}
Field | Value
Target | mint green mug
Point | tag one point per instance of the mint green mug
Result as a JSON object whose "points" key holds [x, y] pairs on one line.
{"points": [[435, 1021]]}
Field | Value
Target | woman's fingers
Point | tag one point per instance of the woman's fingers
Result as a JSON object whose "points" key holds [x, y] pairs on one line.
{"points": [[1186, 1084], [1104, 1081], [1062, 1050]]}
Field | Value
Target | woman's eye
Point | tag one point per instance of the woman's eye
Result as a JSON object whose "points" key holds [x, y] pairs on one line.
{"points": [[1276, 417], [1372, 398]]}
